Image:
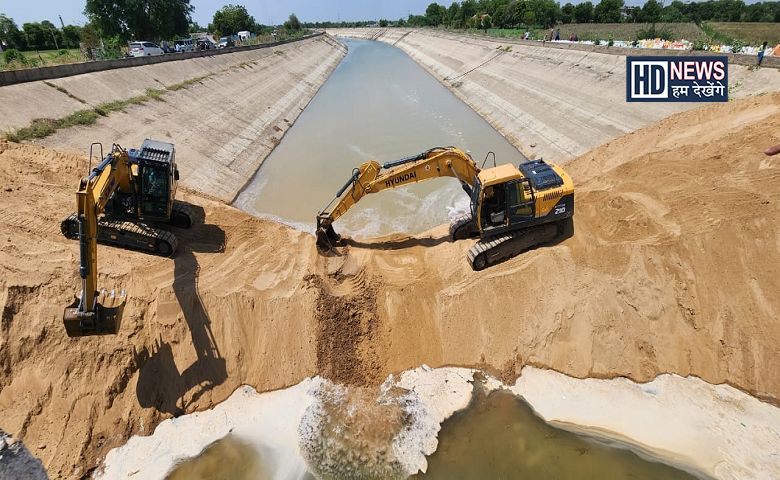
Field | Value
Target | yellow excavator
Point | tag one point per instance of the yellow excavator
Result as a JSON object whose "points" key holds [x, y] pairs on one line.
{"points": [[512, 208], [119, 203]]}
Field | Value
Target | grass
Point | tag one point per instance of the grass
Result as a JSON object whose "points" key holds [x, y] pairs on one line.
{"points": [[44, 58], [186, 83], [710, 32], [603, 31], [43, 127], [748, 33]]}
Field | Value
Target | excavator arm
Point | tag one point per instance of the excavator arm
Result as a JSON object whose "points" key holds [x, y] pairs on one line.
{"points": [[371, 177], [89, 314]]}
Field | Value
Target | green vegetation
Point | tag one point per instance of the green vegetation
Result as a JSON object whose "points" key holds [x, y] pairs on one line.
{"points": [[13, 59], [122, 20], [522, 14], [292, 24], [605, 31], [43, 127], [231, 19], [749, 33]]}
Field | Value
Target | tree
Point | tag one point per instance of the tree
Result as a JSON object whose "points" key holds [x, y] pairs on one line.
{"points": [[382, 22], [435, 14], [71, 36], [651, 11], [608, 11], [139, 19], [35, 36], [231, 19], [10, 34], [453, 16], [292, 24], [583, 12], [514, 13], [567, 13]]}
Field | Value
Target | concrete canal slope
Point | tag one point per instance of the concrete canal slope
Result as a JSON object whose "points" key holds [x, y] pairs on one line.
{"points": [[672, 268], [224, 113], [551, 103]]}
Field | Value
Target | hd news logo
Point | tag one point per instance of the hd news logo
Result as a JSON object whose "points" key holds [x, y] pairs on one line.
{"points": [[677, 79]]}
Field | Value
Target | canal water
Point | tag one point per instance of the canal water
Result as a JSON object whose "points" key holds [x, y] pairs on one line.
{"points": [[378, 104]]}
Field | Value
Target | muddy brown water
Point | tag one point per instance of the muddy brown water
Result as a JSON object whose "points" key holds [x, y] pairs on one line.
{"points": [[497, 437], [378, 104], [500, 437]]}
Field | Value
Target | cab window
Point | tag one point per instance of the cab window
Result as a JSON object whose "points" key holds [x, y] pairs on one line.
{"points": [[155, 190], [519, 199]]}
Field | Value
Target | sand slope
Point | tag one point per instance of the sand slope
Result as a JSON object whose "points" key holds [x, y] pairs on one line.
{"points": [[673, 268]]}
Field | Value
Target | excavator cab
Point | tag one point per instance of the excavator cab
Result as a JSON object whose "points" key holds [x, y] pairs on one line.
{"points": [[156, 164], [504, 205]]}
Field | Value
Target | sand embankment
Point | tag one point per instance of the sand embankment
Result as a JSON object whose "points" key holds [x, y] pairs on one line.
{"points": [[551, 103], [672, 269], [233, 112]]}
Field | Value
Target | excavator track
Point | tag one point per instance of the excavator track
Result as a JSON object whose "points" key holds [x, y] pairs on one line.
{"points": [[463, 226], [124, 234], [492, 250]]}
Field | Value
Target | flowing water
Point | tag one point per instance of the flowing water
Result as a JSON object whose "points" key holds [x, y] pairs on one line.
{"points": [[378, 104]]}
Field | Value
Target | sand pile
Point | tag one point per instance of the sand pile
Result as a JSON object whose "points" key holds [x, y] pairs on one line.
{"points": [[673, 268]]}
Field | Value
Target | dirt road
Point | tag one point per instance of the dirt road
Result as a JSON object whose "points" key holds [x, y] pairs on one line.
{"points": [[673, 268]]}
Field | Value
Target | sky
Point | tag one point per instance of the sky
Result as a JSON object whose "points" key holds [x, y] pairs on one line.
{"points": [[265, 11]]}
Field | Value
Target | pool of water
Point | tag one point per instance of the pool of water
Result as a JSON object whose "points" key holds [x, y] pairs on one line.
{"points": [[378, 104], [499, 436]]}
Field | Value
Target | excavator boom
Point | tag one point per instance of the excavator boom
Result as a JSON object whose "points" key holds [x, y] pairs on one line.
{"points": [[371, 177], [88, 313]]}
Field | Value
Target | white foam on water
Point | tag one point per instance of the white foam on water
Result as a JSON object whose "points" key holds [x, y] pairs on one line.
{"points": [[409, 213]]}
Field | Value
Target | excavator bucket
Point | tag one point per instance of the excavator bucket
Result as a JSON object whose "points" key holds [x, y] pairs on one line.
{"points": [[327, 238], [105, 320]]}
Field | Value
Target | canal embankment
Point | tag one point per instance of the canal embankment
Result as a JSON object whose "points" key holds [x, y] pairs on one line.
{"points": [[555, 103], [225, 113]]}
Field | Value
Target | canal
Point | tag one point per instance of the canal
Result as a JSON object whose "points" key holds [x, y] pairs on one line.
{"points": [[378, 104]]}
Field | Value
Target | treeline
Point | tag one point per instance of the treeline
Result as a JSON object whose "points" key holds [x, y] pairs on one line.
{"points": [[516, 13], [112, 23], [38, 35]]}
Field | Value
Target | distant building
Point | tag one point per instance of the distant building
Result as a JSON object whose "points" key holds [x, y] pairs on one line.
{"points": [[626, 11]]}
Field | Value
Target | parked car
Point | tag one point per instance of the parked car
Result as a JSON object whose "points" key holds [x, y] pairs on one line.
{"points": [[143, 49], [226, 42], [205, 44], [184, 45]]}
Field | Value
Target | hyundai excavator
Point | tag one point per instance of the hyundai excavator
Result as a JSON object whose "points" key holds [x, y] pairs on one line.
{"points": [[120, 203], [512, 208]]}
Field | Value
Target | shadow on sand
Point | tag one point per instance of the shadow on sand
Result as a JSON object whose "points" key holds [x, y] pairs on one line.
{"points": [[160, 384]]}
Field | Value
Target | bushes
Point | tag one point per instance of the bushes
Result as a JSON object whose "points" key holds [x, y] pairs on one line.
{"points": [[14, 55]]}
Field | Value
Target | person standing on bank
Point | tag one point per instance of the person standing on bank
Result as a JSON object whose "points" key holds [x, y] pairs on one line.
{"points": [[761, 53]]}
